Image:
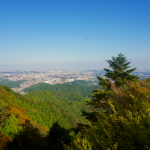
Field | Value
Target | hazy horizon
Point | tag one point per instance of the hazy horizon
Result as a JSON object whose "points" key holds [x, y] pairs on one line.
{"points": [[77, 34]]}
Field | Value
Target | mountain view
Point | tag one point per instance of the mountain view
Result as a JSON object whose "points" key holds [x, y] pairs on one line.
{"points": [[79, 114], [74, 75]]}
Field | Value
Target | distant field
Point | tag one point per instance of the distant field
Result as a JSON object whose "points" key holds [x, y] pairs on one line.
{"points": [[11, 84], [79, 86]]}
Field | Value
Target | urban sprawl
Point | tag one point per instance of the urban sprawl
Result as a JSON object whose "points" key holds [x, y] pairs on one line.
{"points": [[31, 77]]}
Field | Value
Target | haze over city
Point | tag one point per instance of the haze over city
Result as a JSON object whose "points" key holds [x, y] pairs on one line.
{"points": [[75, 34]]}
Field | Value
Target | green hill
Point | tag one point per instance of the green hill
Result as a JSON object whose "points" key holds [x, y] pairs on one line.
{"points": [[11, 84], [79, 86], [52, 106], [32, 115], [48, 107]]}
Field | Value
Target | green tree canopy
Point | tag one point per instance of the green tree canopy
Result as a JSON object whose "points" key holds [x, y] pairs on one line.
{"points": [[119, 75], [10, 127], [126, 128], [118, 72]]}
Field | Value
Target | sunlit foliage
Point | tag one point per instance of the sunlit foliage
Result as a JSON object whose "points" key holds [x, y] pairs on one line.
{"points": [[127, 124]]}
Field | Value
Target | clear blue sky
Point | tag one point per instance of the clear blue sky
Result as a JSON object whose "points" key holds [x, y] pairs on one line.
{"points": [[73, 34]]}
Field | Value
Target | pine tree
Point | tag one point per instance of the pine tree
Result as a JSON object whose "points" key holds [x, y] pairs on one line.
{"points": [[117, 76], [118, 73]]}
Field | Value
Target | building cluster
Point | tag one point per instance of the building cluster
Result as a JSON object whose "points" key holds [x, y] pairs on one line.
{"points": [[48, 76], [31, 77]]}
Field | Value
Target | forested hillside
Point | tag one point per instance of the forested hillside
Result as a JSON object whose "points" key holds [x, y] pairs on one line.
{"points": [[11, 84], [125, 123], [40, 110], [51, 107], [48, 107], [79, 86], [117, 116]]}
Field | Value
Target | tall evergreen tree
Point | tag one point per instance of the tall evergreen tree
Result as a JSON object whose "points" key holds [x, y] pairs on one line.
{"points": [[118, 72], [117, 76]]}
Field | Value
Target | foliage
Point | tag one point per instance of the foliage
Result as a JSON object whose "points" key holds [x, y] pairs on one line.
{"points": [[118, 76], [20, 114], [27, 134], [43, 108], [4, 140], [79, 144], [58, 136], [49, 107], [5, 102], [11, 84], [79, 86], [127, 126], [3, 112], [145, 83], [126, 122], [119, 73], [10, 128], [28, 138]]}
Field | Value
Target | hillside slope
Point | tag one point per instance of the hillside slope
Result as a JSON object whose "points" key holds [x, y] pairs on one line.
{"points": [[44, 108], [11, 84], [26, 119], [79, 86]]}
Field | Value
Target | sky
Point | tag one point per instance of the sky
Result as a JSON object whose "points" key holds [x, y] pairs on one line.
{"points": [[73, 34]]}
